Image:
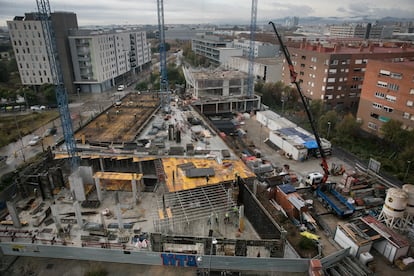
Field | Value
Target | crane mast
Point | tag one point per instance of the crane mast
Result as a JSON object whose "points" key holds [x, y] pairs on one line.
{"points": [[44, 14], [164, 89], [293, 80], [250, 81]]}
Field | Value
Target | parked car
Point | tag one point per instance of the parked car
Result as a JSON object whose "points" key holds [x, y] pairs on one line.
{"points": [[121, 87], [37, 107], [35, 140], [50, 131]]}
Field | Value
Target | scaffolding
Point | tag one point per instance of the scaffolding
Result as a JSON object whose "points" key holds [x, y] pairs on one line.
{"points": [[188, 206]]}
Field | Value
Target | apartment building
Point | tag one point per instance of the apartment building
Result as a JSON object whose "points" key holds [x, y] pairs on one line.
{"points": [[335, 73], [387, 93], [29, 47], [366, 31], [261, 49], [216, 49], [91, 60], [104, 59]]}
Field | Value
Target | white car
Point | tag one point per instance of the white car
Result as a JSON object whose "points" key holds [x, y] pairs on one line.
{"points": [[35, 140], [121, 87]]}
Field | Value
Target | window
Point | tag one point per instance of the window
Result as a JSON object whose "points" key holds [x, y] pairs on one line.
{"points": [[388, 109], [357, 69], [358, 61], [396, 76], [406, 115], [412, 91], [313, 59], [372, 126], [331, 79], [390, 98], [377, 105], [384, 72], [379, 95], [410, 103], [393, 86], [334, 62], [382, 84], [332, 71], [374, 115]]}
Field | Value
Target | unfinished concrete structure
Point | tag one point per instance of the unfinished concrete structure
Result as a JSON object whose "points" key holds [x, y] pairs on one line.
{"points": [[219, 91]]}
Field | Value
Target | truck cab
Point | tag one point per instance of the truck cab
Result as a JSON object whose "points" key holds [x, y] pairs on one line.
{"points": [[313, 178]]}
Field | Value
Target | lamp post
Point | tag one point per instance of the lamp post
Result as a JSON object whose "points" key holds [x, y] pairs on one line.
{"points": [[213, 243], [78, 90], [408, 168], [329, 130]]}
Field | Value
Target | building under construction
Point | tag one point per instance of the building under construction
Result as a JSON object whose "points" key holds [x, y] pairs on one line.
{"points": [[152, 188]]}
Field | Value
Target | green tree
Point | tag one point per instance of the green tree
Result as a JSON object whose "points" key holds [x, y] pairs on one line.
{"points": [[347, 129], [394, 134], [4, 72], [327, 122]]}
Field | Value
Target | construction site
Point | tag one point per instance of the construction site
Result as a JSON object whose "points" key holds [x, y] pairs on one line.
{"points": [[206, 182]]}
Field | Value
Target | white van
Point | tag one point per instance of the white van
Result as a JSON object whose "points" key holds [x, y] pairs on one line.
{"points": [[314, 178], [121, 87]]}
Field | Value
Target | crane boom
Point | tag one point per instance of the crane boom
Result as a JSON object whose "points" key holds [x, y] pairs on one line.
{"points": [[293, 80]]}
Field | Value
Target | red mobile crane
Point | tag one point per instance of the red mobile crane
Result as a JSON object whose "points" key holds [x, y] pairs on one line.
{"points": [[293, 80]]}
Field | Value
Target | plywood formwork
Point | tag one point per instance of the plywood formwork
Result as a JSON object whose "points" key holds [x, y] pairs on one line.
{"points": [[114, 181], [121, 122], [223, 172]]}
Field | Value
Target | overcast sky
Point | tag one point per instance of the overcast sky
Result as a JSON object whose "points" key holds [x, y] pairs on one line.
{"points": [[105, 12]]}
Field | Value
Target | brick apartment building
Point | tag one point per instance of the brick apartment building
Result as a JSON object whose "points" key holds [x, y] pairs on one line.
{"points": [[389, 94], [335, 73]]}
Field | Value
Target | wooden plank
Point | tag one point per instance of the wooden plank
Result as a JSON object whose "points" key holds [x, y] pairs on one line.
{"points": [[160, 213]]}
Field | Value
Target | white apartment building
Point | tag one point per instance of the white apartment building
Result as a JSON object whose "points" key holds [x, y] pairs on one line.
{"points": [[261, 49], [101, 57], [216, 49], [29, 47]]}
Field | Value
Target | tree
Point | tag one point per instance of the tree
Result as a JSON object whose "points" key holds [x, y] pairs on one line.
{"points": [[394, 134], [316, 108], [327, 122], [347, 129]]}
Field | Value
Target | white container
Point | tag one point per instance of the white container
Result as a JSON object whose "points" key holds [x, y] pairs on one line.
{"points": [[365, 258], [409, 189], [395, 203]]}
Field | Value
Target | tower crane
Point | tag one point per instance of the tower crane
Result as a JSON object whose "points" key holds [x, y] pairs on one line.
{"points": [[293, 80], [44, 14], [250, 80], [164, 88]]}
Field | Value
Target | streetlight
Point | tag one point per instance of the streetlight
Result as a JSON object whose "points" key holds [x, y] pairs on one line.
{"points": [[329, 130], [408, 168], [213, 243], [78, 90]]}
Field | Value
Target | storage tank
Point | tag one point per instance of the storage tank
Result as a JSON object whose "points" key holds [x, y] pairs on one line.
{"points": [[409, 190], [395, 203]]}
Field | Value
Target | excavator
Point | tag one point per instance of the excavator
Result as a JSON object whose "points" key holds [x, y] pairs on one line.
{"points": [[293, 76]]}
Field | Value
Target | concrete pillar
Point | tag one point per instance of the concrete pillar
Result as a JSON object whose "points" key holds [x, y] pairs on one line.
{"points": [[76, 186], [140, 167], [241, 218], [118, 212], [55, 216], [255, 187], [101, 165], [134, 190], [98, 188], [78, 213], [119, 216], [14, 215]]}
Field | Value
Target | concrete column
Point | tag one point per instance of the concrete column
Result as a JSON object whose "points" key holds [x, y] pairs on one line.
{"points": [[78, 213], [98, 188], [134, 190], [255, 187], [140, 167], [101, 164], [241, 218], [14, 215], [119, 216], [55, 215]]}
